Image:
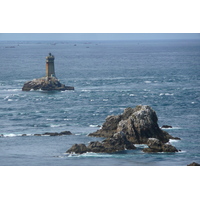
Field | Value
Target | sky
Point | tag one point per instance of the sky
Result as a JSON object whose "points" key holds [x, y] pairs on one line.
{"points": [[98, 36]]}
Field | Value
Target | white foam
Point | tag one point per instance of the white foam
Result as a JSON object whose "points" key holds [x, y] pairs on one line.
{"points": [[93, 125], [85, 90], [10, 135], [172, 140], [176, 127], [56, 125], [181, 151], [13, 90], [166, 94], [147, 81]]}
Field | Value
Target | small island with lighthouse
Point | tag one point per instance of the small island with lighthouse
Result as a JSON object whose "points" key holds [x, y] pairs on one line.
{"points": [[49, 82]]}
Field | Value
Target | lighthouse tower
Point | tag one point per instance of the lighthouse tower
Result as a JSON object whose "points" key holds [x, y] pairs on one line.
{"points": [[50, 72]]}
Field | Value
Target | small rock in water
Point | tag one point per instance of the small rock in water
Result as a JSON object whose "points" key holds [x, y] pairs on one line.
{"points": [[166, 126], [194, 164]]}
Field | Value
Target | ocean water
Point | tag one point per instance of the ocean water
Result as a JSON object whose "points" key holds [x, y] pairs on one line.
{"points": [[108, 77]]}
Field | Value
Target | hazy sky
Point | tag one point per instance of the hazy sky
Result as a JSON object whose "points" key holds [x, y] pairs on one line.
{"points": [[97, 36]]}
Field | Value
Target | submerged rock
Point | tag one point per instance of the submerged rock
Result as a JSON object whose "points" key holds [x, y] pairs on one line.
{"points": [[110, 145], [156, 145], [45, 83], [138, 124]]}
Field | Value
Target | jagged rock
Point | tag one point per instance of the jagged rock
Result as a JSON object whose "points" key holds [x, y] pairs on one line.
{"points": [[166, 126], [138, 124], [110, 145], [156, 145], [194, 164], [45, 83]]}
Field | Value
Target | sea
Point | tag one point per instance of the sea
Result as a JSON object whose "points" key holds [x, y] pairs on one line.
{"points": [[108, 76]]}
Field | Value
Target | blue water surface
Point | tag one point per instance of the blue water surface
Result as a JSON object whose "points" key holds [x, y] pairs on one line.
{"points": [[108, 77]]}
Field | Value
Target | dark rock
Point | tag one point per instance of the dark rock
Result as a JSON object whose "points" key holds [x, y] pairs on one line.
{"points": [[37, 135], [65, 133], [24, 135], [156, 145], [51, 134], [58, 134], [194, 164], [78, 148], [138, 124], [54, 134], [110, 145], [45, 83], [166, 126]]}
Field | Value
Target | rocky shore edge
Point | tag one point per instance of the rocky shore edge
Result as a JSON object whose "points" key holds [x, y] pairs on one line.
{"points": [[45, 83], [134, 126]]}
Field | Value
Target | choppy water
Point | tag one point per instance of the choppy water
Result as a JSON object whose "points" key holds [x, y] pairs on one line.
{"points": [[108, 77]]}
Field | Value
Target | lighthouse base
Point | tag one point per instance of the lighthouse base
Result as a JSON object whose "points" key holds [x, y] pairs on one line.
{"points": [[45, 83]]}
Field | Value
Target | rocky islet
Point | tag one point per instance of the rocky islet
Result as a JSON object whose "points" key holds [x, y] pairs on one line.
{"points": [[134, 126]]}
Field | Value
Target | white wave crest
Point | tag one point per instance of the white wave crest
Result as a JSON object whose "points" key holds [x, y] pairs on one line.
{"points": [[94, 125], [57, 125]]}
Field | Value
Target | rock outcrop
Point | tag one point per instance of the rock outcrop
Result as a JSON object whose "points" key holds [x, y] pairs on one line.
{"points": [[156, 145], [54, 134], [138, 124], [45, 83], [117, 142]]}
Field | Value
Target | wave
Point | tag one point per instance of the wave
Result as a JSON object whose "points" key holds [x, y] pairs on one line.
{"points": [[166, 94], [93, 126], [15, 135], [175, 127], [173, 141]]}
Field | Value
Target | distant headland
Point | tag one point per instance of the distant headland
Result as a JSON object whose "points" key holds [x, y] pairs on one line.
{"points": [[48, 82]]}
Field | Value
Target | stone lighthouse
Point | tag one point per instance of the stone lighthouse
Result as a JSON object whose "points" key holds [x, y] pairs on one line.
{"points": [[48, 82], [50, 71]]}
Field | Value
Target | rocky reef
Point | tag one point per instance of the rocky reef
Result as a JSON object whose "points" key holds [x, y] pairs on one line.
{"points": [[118, 142], [45, 83], [138, 124]]}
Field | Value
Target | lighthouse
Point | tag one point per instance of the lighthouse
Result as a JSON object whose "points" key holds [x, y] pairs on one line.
{"points": [[48, 82], [50, 71]]}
